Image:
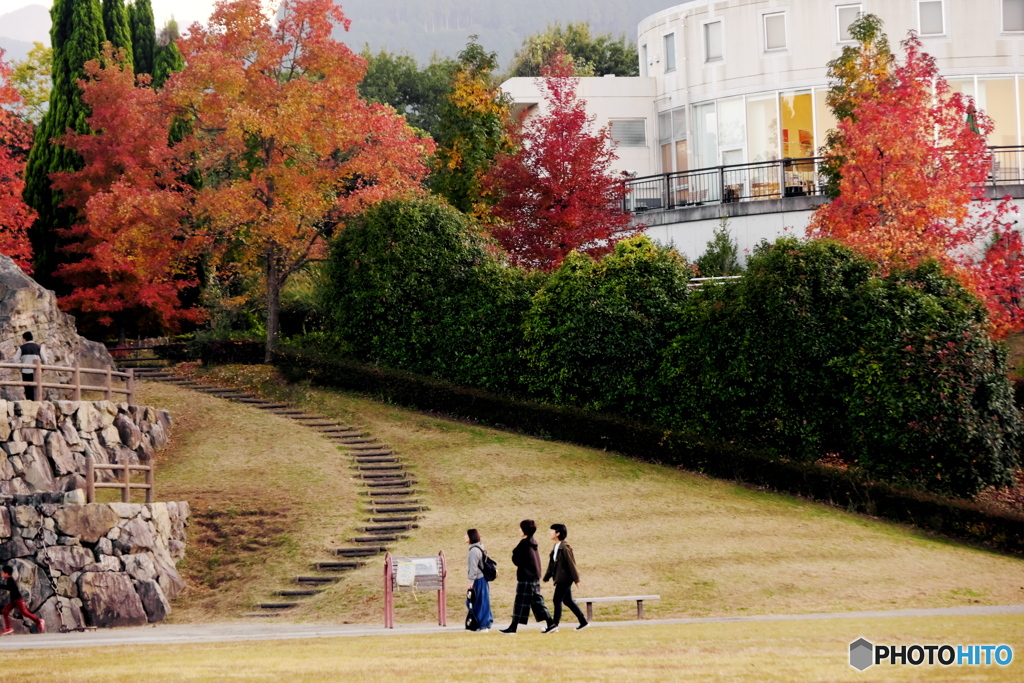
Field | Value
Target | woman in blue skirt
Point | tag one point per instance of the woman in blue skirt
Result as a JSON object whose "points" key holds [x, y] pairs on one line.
{"points": [[478, 593]]}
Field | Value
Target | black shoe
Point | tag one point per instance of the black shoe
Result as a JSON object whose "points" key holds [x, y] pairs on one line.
{"points": [[583, 625], [550, 628], [508, 631]]}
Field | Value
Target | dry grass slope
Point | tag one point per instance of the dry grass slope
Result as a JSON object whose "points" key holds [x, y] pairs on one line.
{"points": [[709, 548]]}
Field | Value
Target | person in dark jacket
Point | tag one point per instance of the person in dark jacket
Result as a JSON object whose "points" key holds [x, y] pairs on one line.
{"points": [[528, 596], [16, 602], [28, 353], [562, 568]]}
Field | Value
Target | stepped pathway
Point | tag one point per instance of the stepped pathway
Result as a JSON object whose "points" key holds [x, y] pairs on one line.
{"points": [[392, 501]]}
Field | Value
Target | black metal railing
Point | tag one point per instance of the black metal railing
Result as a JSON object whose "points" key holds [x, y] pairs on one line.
{"points": [[766, 180]]}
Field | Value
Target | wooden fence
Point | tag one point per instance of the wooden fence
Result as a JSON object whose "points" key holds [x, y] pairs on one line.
{"points": [[124, 482], [75, 386]]}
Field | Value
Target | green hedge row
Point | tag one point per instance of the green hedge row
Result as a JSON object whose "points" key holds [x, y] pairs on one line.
{"points": [[955, 518]]}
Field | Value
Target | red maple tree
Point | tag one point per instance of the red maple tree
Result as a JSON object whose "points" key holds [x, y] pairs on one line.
{"points": [[15, 142], [284, 145], [131, 244], [914, 162], [555, 193]]}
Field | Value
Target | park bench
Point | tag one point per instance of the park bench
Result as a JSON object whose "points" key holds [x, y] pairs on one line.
{"points": [[619, 598]]}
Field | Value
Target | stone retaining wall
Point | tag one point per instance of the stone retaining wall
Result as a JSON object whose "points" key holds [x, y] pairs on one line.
{"points": [[102, 564], [45, 443]]}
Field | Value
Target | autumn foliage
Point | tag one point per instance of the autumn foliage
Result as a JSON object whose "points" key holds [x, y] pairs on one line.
{"points": [[283, 144], [914, 161], [130, 249], [15, 141], [555, 193]]}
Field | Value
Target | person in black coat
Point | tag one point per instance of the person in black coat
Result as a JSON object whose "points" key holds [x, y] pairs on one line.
{"points": [[562, 568], [528, 596]]}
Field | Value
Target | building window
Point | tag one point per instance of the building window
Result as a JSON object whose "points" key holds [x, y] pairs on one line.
{"points": [[1013, 16], [713, 50], [930, 19], [775, 31], [846, 15], [670, 52], [672, 140], [643, 60], [629, 132]]}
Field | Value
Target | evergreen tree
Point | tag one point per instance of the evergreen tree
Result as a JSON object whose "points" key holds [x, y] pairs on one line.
{"points": [[116, 28], [76, 35], [168, 57], [143, 29]]}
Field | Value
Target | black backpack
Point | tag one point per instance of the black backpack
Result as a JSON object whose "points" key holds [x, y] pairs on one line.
{"points": [[488, 566]]}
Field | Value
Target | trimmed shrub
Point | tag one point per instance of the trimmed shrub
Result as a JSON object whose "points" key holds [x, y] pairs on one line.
{"points": [[412, 284], [595, 331]]}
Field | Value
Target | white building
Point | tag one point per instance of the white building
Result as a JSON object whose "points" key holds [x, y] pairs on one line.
{"points": [[732, 89]]}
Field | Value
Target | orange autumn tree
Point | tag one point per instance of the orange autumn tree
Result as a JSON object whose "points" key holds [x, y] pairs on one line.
{"points": [[914, 160], [283, 144], [131, 251], [15, 141]]}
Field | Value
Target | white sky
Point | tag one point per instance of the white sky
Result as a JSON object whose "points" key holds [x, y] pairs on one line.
{"points": [[184, 11]]}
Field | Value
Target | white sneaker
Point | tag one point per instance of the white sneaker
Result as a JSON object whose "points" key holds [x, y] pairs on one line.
{"points": [[483, 630]]}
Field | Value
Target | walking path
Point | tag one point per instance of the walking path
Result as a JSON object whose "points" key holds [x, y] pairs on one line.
{"points": [[186, 634]]}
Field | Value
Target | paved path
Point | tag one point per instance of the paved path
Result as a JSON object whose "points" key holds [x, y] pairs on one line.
{"points": [[246, 631]]}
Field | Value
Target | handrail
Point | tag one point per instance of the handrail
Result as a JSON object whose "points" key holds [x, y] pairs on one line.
{"points": [[75, 385], [125, 483], [773, 179]]}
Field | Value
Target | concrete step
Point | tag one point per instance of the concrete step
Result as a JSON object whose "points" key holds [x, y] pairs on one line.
{"points": [[381, 451], [288, 411], [376, 539], [354, 439], [272, 406], [371, 459], [395, 476], [315, 580], [277, 605], [378, 494], [365, 446], [392, 520], [384, 484], [387, 528], [253, 401], [338, 566], [360, 552], [382, 467], [396, 509], [298, 594]]}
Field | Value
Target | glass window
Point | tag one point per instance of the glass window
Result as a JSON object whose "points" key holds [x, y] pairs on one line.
{"points": [[930, 17], [824, 119], [713, 41], [664, 126], [797, 124], [705, 135], [731, 123], [629, 132], [762, 128], [670, 52], [672, 139], [962, 85], [846, 15], [775, 31], [1013, 15], [996, 97]]}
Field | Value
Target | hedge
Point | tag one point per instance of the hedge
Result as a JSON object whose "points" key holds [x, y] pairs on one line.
{"points": [[956, 518]]}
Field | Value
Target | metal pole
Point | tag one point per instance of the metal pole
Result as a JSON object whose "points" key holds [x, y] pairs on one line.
{"points": [[90, 480], [389, 608], [442, 595], [126, 492], [77, 378]]}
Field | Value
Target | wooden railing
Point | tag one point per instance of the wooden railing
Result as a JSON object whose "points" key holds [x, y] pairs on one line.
{"points": [[75, 386], [124, 482]]}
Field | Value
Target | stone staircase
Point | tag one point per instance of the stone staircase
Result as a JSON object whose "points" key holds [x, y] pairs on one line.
{"points": [[391, 499]]}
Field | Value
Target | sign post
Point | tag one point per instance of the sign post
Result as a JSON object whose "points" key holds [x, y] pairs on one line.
{"points": [[415, 573]]}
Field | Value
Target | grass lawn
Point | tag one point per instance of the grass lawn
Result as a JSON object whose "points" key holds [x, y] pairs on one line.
{"points": [[783, 651], [709, 548]]}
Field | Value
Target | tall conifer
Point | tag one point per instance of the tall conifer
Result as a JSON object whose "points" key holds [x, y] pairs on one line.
{"points": [[168, 57], [76, 35], [143, 36], [115, 25]]}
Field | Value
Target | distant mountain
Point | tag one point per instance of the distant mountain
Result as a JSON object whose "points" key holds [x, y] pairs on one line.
{"points": [[29, 24], [426, 27]]}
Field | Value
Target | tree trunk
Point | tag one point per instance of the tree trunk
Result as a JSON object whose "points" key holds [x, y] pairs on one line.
{"points": [[273, 304]]}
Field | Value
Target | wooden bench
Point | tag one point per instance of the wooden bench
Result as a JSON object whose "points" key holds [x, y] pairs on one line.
{"points": [[620, 598]]}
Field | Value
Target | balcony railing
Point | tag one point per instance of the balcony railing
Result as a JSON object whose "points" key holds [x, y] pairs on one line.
{"points": [[767, 180]]}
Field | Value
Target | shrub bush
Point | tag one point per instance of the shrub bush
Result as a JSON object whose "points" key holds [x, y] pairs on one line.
{"points": [[595, 331], [412, 284]]}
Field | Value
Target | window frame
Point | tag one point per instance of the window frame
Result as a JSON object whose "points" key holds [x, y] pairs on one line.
{"points": [[839, 26], [785, 30], [670, 55], [704, 40], [942, 15], [1002, 20], [633, 119]]}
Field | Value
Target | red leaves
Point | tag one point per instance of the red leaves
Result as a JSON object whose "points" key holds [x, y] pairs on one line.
{"points": [[914, 164], [15, 141], [555, 193]]}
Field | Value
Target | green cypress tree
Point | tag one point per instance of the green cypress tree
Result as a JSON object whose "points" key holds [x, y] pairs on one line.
{"points": [[168, 57], [116, 28], [143, 36], [76, 35]]}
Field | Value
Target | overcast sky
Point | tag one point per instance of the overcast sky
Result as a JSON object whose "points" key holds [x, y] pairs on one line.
{"points": [[185, 11]]}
